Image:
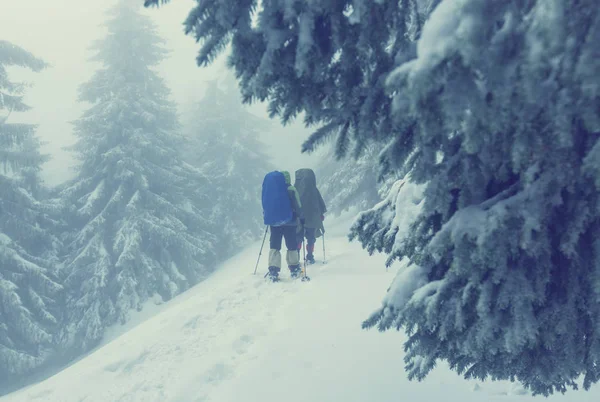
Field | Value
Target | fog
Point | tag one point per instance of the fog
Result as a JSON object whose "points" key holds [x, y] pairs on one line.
{"points": [[481, 119], [176, 209], [61, 31]]}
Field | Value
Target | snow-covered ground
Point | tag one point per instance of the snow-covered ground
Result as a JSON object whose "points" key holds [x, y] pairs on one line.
{"points": [[236, 337]]}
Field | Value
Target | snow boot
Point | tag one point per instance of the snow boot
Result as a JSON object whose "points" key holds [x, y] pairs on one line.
{"points": [[310, 259], [273, 274], [295, 270]]}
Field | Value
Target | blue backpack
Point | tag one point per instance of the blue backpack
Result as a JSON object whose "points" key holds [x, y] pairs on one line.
{"points": [[277, 207]]}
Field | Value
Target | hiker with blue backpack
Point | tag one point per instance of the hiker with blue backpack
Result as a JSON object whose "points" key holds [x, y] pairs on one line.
{"points": [[282, 212]]}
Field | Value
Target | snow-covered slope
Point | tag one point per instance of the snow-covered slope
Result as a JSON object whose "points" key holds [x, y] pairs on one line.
{"points": [[236, 337]]}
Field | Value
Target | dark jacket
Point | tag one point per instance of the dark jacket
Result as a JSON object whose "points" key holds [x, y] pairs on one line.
{"points": [[311, 200]]}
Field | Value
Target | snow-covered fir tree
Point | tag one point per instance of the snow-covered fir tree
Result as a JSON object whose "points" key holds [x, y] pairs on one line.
{"points": [[496, 111], [507, 119], [139, 219], [29, 292], [225, 146]]}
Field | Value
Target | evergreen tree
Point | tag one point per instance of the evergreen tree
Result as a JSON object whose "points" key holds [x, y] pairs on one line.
{"points": [[29, 292], [225, 147], [496, 110], [138, 219]]}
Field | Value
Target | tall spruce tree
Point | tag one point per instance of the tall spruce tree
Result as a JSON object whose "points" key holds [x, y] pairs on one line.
{"points": [[225, 146], [29, 292], [497, 111], [139, 224]]}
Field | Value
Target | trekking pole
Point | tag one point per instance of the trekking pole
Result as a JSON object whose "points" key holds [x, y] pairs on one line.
{"points": [[304, 255], [324, 260], [261, 248], [304, 277]]}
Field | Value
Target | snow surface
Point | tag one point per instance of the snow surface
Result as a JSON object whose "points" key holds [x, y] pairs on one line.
{"points": [[235, 337]]}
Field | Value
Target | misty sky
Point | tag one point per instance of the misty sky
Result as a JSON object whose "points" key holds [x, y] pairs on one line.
{"points": [[61, 31]]}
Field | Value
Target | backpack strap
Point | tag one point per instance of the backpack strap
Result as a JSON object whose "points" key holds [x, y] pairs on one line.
{"points": [[295, 194]]}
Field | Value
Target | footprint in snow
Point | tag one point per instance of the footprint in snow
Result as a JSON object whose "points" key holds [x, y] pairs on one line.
{"points": [[127, 365], [217, 373], [241, 345]]}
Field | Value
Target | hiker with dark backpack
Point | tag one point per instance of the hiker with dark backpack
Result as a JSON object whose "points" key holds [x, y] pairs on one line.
{"points": [[282, 212], [313, 208]]}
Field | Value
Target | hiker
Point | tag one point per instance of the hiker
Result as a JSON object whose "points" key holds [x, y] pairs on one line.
{"points": [[313, 208], [282, 212]]}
